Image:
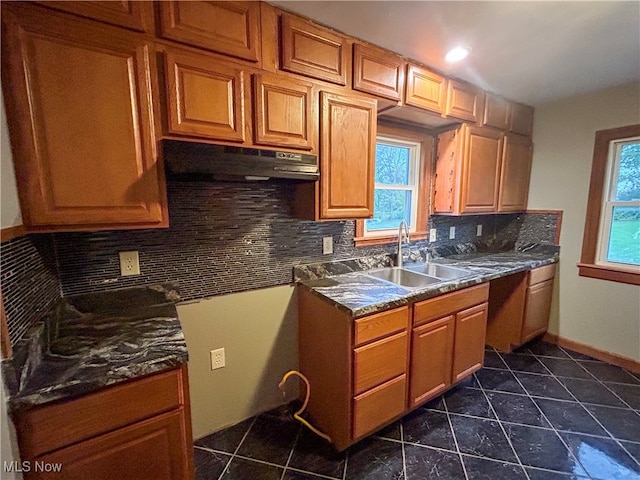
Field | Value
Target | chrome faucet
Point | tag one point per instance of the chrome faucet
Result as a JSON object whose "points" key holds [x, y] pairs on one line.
{"points": [[400, 240]]}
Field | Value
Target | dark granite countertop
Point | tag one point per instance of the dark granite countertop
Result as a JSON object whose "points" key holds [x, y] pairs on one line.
{"points": [[96, 340], [358, 294]]}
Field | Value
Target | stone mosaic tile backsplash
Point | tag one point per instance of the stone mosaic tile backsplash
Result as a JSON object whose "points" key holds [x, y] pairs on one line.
{"points": [[224, 237]]}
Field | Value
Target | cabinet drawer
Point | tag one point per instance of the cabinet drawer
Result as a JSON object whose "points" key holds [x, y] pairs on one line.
{"points": [[379, 361], [380, 325], [376, 406], [450, 303], [54, 426], [542, 274]]}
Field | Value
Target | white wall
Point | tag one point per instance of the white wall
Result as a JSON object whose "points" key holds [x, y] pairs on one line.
{"points": [[599, 313], [10, 214]]}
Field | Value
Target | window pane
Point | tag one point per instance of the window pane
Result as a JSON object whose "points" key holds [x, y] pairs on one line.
{"points": [[392, 164], [624, 238], [390, 208], [628, 185]]}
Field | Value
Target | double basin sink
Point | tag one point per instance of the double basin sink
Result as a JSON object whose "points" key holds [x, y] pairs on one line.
{"points": [[419, 275]]}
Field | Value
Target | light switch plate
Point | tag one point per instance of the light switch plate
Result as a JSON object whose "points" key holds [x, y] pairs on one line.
{"points": [[327, 245], [432, 235], [129, 263], [479, 230], [452, 233]]}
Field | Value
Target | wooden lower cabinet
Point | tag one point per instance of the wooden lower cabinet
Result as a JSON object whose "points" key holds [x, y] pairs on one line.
{"points": [[536, 310], [468, 352], [140, 430]]}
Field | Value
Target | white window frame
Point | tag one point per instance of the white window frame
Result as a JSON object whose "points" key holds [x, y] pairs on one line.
{"points": [[609, 202], [413, 186]]}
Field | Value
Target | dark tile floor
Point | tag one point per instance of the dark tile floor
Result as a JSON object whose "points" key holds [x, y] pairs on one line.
{"points": [[540, 413]]}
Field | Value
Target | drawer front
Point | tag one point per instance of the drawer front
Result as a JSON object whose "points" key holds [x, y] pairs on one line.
{"points": [[379, 405], [47, 428], [378, 362], [450, 303], [380, 325], [542, 274]]}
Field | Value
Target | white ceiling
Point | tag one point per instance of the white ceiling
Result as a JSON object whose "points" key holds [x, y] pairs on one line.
{"points": [[531, 51]]}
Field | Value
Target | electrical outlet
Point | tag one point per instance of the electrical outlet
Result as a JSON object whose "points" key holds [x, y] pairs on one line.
{"points": [[327, 245], [479, 230], [432, 235], [129, 263], [217, 358], [452, 233]]}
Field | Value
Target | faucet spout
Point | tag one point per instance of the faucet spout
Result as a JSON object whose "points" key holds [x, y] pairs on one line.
{"points": [[403, 234]]}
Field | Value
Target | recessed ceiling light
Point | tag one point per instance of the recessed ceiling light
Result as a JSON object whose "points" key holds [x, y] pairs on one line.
{"points": [[456, 54]]}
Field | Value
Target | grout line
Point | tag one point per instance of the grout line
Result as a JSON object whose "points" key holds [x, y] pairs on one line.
{"points": [[346, 462], [404, 458], [320, 475], [455, 439], [295, 442], [235, 452]]}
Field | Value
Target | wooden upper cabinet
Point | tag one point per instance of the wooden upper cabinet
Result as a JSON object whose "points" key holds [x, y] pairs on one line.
{"points": [[515, 174], [496, 112], [521, 119], [482, 153], [205, 97], [313, 51], [229, 28], [463, 101], [378, 72], [347, 156], [79, 106], [425, 89], [134, 15], [284, 112]]}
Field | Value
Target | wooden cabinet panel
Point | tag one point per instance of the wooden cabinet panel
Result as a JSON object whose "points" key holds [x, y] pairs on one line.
{"points": [[379, 405], [230, 28], [496, 112], [205, 97], [313, 51], [431, 357], [515, 174], [348, 136], [379, 361], [378, 72], [542, 274], [425, 89], [445, 304], [463, 101], [536, 310], [135, 15], [78, 98], [481, 170], [284, 112], [468, 350], [154, 449], [373, 327], [521, 119]]}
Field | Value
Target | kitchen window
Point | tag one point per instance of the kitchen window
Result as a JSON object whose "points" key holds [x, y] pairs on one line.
{"points": [[401, 186], [611, 244]]}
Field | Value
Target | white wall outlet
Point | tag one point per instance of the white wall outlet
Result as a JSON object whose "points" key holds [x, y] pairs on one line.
{"points": [[217, 358], [129, 263], [452, 233], [327, 245], [432, 235], [479, 230]]}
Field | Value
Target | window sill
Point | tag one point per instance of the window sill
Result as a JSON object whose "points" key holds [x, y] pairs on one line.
{"points": [[387, 239], [609, 273]]}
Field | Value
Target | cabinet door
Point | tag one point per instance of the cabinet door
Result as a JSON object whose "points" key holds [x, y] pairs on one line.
{"points": [[536, 310], [378, 72], [480, 170], [156, 449], [496, 112], [347, 156], [521, 119], [463, 101], [515, 174], [129, 14], [468, 349], [313, 51], [425, 89], [82, 125], [230, 28], [205, 97], [431, 351], [283, 112], [374, 407]]}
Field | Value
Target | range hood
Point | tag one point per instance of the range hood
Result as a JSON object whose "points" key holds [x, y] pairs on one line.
{"points": [[187, 160]]}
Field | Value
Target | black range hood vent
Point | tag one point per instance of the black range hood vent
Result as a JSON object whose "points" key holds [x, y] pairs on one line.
{"points": [[189, 160]]}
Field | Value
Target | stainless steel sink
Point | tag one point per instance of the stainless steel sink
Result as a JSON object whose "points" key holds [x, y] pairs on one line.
{"points": [[442, 272], [403, 277]]}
